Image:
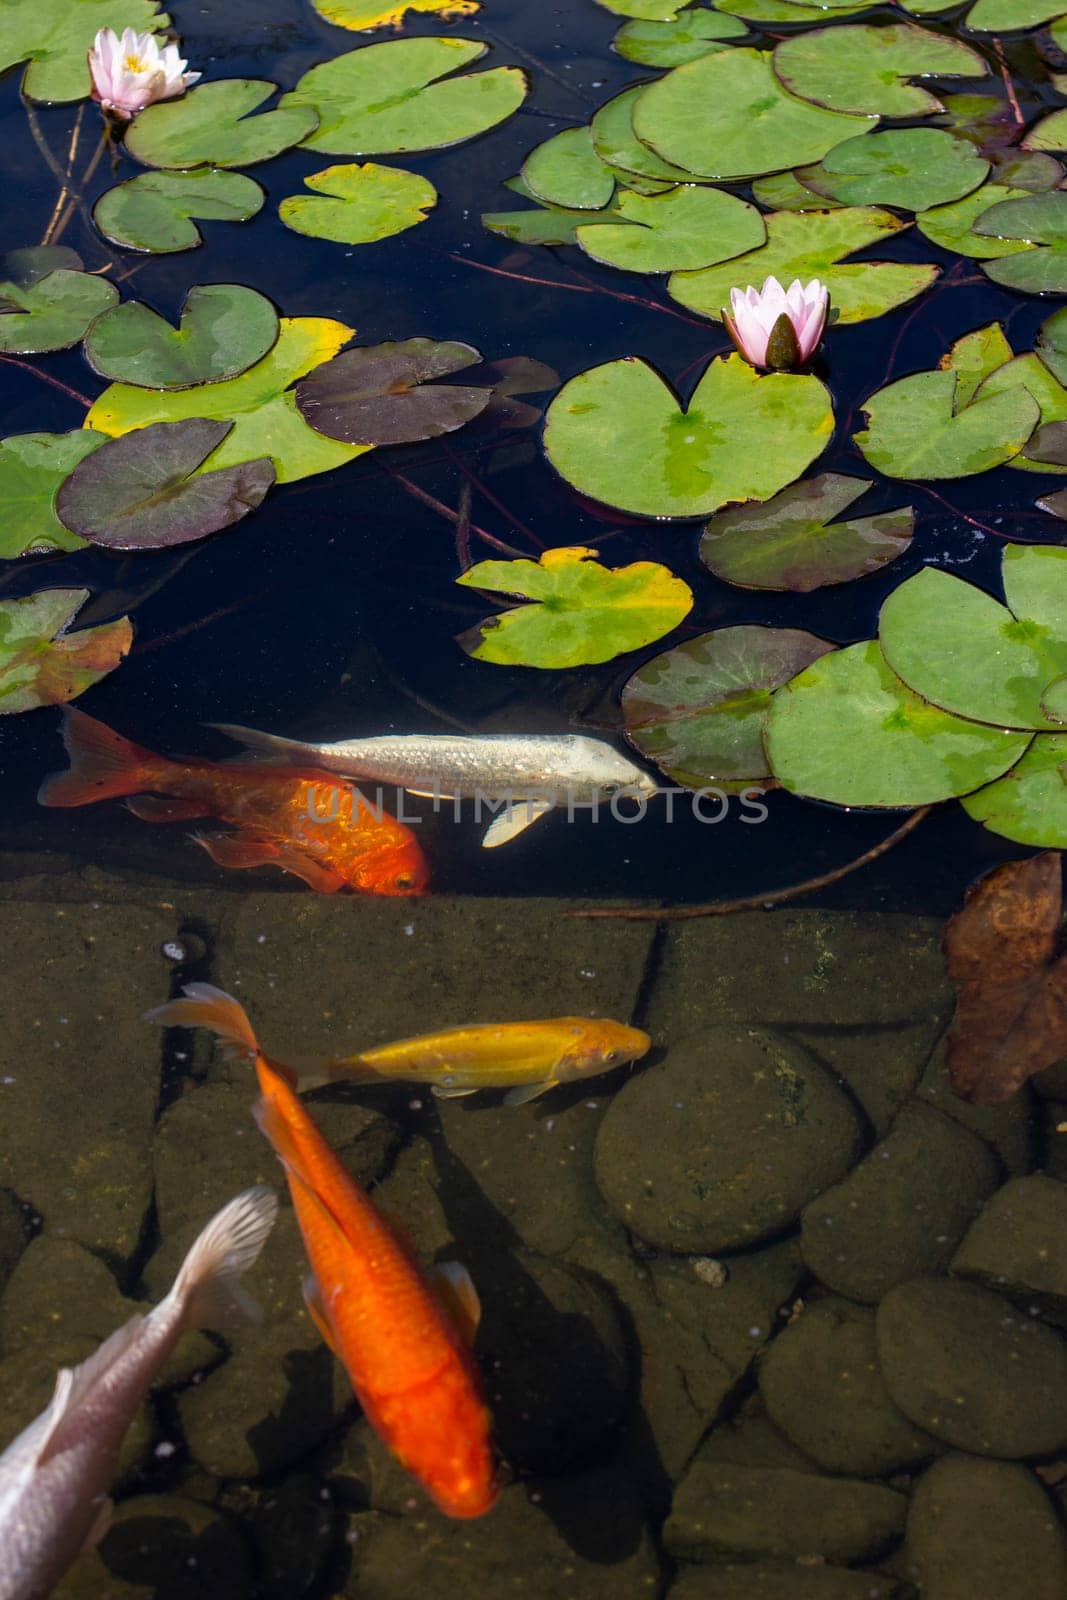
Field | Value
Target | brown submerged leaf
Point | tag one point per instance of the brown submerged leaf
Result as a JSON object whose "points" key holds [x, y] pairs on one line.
{"points": [[1011, 985]]}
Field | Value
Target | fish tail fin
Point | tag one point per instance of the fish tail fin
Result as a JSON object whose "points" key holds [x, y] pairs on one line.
{"points": [[205, 1006], [272, 745], [103, 765], [207, 1287], [316, 1072]]}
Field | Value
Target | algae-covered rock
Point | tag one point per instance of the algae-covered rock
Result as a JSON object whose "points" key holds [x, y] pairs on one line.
{"points": [[985, 1529], [779, 1580], [902, 1211], [749, 1438], [778, 1511], [972, 1370], [1006, 1128], [1054, 1140], [14, 1235], [880, 1066], [583, 1534], [1018, 1245], [1052, 1083], [293, 1528], [724, 1142], [822, 1384], [162, 1547]]}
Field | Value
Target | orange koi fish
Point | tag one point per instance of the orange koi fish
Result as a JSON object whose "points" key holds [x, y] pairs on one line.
{"points": [[404, 1344], [320, 829]]}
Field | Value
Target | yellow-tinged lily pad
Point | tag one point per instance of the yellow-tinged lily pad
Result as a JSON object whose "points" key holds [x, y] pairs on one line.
{"points": [[358, 204], [41, 664], [583, 612], [363, 15]]}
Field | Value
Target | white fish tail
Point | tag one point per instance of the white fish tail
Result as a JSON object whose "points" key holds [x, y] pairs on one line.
{"points": [[206, 1290]]}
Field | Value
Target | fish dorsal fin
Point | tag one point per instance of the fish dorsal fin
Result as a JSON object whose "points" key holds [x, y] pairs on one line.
{"points": [[455, 1289], [25, 1452], [317, 1311], [515, 820], [74, 1384], [100, 1524]]}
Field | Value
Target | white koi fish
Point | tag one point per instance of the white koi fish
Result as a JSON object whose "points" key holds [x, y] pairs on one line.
{"points": [[54, 1477]]}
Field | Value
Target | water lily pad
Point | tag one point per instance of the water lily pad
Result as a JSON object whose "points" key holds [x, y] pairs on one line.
{"points": [[727, 116], [400, 96], [689, 226], [616, 143], [1030, 372], [847, 730], [951, 226], [810, 245], [1031, 170], [260, 404], [1029, 804], [213, 126], [1008, 16], [583, 612], [1040, 220], [957, 647], [916, 429], [382, 394], [224, 329], [693, 33], [867, 67], [792, 542], [1051, 344], [618, 434], [913, 168], [153, 212], [545, 225], [49, 310], [366, 203], [566, 171], [762, 12], [53, 38], [973, 357], [144, 491], [41, 663], [32, 467], [783, 191], [645, 10], [1035, 585], [1048, 134], [698, 711], [360, 15]]}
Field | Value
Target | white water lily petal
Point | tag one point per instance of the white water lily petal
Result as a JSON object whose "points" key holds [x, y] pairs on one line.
{"points": [[133, 72], [754, 313]]}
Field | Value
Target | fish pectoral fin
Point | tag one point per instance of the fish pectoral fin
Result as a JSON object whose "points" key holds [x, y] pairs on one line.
{"points": [[241, 850], [455, 1288], [317, 1311], [523, 1093], [100, 1524], [449, 1091], [164, 808], [429, 794], [514, 821]]}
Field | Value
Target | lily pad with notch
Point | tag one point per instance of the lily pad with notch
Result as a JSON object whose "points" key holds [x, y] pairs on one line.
{"points": [[225, 328], [543, 225], [1041, 221], [47, 301], [153, 212], [384, 394], [53, 38], [792, 542], [617, 145], [213, 126], [566, 171], [916, 429], [32, 467], [912, 168], [582, 611], [699, 710], [952, 226], [693, 32], [362, 15], [144, 491], [359, 204], [686, 227], [42, 663], [868, 67], [1028, 804], [973, 358], [1031, 373]]}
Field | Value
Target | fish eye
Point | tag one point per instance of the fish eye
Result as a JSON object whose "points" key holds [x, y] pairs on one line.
{"points": [[406, 880], [611, 1057]]}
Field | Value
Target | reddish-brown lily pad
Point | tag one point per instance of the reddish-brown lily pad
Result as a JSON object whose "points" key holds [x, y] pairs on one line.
{"points": [[383, 394]]}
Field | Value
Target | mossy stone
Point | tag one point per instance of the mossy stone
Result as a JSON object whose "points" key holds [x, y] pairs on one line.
{"points": [[880, 1067], [1052, 1083], [902, 1211], [724, 1142], [821, 1383], [778, 1580], [1018, 1245], [1006, 1128], [1054, 1134], [985, 1529], [778, 1511], [972, 1370], [14, 1235]]}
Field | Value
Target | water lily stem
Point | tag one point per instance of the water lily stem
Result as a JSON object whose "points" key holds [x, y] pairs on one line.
{"points": [[46, 377], [77, 199], [453, 516], [757, 902], [72, 152], [1009, 87], [576, 288], [473, 480]]}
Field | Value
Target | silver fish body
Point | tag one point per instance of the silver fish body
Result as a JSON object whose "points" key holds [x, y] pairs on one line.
{"points": [[54, 1477]]}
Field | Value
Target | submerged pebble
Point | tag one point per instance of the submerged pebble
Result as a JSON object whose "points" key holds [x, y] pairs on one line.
{"points": [[984, 1530], [1018, 1246]]}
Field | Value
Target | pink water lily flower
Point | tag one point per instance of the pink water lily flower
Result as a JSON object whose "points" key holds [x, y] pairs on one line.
{"points": [[776, 327], [132, 72]]}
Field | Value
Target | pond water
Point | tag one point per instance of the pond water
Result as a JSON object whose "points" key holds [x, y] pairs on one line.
{"points": [[742, 1335]]}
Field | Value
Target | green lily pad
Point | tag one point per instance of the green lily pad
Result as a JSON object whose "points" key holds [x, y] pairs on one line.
{"points": [[783, 191], [260, 404], [1048, 134], [145, 492], [689, 226], [913, 168], [53, 38], [224, 329], [1040, 220], [957, 647], [792, 542], [1031, 170], [546, 225], [41, 663], [917, 430], [1051, 344], [385, 98], [382, 394], [973, 358], [699, 711], [566, 171], [153, 212], [32, 467], [616, 143], [1009, 16], [366, 203], [1029, 804], [727, 116], [848, 731], [618, 434], [693, 33], [951, 226], [1054, 701], [43, 309], [1030, 372], [361, 15], [213, 126], [1035, 585], [583, 612], [764, 12], [867, 67], [810, 245], [644, 10]]}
